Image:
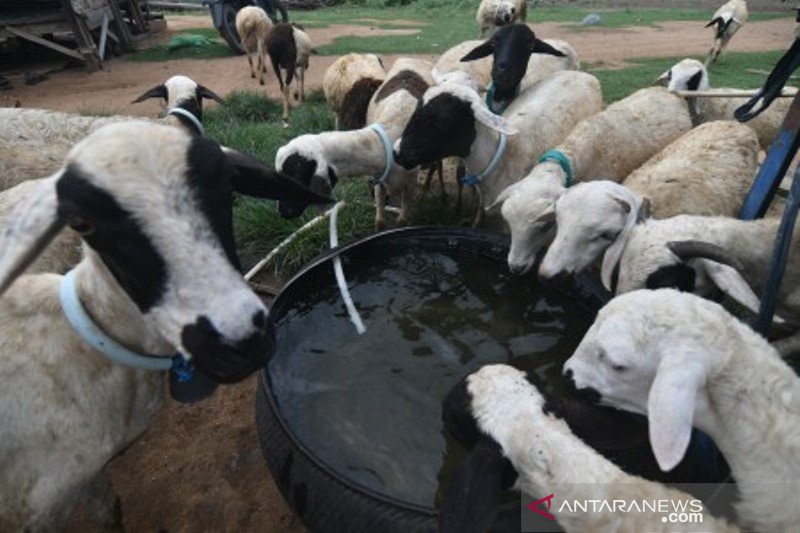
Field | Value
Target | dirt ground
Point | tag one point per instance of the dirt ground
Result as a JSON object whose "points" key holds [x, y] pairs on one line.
{"points": [[200, 467]]}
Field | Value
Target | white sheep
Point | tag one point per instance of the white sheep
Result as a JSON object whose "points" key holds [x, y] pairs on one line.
{"points": [[727, 19], [493, 14], [34, 142], [507, 420], [606, 145], [497, 151], [349, 84], [684, 361], [691, 75], [148, 200], [707, 171], [289, 49], [253, 25], [319, 160], [449, 67]]}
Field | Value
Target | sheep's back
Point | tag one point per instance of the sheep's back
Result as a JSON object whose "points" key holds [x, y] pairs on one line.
{"points": [[707, 171]]}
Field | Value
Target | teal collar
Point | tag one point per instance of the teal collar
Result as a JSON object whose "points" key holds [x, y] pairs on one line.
{"points": [[498, 109], [563, 161], [387, 147], [87, 330], [475, 179]]}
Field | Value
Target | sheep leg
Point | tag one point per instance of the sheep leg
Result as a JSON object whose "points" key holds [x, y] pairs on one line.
{"points": [[461, 171], [479, 201], [261, 66], [440, 170], [405, 203], [427, 183], [380, 203], [250, 62], [285, 93], [302, 84]]}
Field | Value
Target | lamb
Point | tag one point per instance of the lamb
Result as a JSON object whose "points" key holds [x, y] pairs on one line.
{"points": [[33, 142], [497, 151], [253, 25], [493, 14], [349, 84], [513, 47], [516, 439], [319, 160], [148, 200], [691, 75], [609, 145], [684, 361], [707, 171], [727, 19], [289, 48]]}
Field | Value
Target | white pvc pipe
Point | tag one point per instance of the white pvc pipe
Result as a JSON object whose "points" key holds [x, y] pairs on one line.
{"points": [[355, 318]]}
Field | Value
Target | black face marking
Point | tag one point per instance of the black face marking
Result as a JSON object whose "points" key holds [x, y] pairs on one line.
{"points": [[332, 177], [209, 177], [299, 168], [457, 415], [443, 127], [223, 361], [513, 46], [694, 81], [679, 276], [117, 238]]}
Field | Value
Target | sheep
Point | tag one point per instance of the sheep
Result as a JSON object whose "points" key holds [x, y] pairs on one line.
{"points": [[691, 75], [253, 25], [148, 200], [512, 48], [516, 439], [497, 151], [33, 142], [707, 171], [289, 48], [684, 361], [494, 14], [349, 84], [607, 145], [727, 19], [449, 67], [319, 160]]}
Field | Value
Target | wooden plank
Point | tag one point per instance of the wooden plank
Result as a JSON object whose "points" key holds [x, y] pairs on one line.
{"points": [[44, 42], [124, 34], [177, 5], [103, 37]]}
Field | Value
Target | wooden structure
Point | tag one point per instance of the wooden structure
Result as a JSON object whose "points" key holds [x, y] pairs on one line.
{"points": [[90, 23]]}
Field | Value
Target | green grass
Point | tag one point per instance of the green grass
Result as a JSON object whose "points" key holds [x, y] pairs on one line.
{"points": [[442, 27], [215, 47]]}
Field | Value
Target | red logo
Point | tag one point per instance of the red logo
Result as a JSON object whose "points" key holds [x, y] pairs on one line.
{"points": [[534, 507]]}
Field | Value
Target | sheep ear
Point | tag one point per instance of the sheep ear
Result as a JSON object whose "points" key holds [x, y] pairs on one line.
{"points": [[614, 252], [502, 197], [664, 79], [159, 91], [253, 178], [541, 47], [731, 283], [205, 92], [496, 122], [482, 50], [29, 229], [471, 502], [670, 406]]}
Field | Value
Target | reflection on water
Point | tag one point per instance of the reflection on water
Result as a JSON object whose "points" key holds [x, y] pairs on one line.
{"points": [[369, 406]]}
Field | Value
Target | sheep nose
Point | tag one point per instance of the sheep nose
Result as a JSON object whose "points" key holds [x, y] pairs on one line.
{"points": [[568, 375], [517, 269], [557, 277]]}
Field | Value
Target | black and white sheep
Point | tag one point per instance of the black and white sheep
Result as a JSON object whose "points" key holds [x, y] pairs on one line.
{"points": [[726, 21], [253, 25], [148, 200], [289, 49], [686, 362], [518, 439]]}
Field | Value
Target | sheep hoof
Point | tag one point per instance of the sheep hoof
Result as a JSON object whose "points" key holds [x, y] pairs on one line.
{"points": [[285, 124], [380, 225], [261, 82]]}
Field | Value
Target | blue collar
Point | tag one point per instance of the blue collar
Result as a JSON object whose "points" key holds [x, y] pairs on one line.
{"points": [[475, 179], [387, 147], [87, 330], [190, 117], [500, 109], [563, 161]]}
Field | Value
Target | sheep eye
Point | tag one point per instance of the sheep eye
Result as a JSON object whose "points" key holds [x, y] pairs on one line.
{"points": [[619, 368], [607, 236], [547, 226], [82, 226]]}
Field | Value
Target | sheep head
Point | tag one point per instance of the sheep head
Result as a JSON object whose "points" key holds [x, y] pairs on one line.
{"points": [[154, 208]]}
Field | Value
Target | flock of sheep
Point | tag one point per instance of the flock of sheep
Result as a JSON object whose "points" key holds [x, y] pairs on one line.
{"points": [[644, 190]]}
